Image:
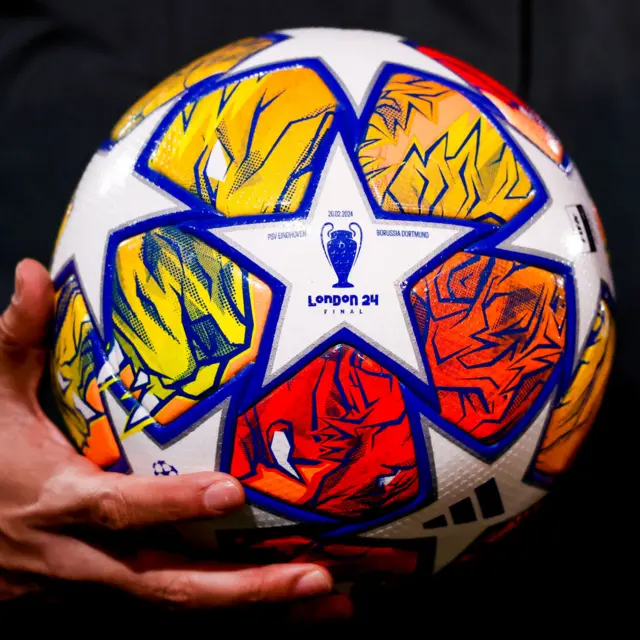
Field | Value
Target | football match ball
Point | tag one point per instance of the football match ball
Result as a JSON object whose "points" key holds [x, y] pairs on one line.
{"points": [[357, 274]]}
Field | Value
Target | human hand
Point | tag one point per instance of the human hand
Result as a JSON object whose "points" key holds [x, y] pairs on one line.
{"points": [[48, 492]]}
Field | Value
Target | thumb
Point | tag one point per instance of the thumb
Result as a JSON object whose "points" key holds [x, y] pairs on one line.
{"points": [[23, 327]]}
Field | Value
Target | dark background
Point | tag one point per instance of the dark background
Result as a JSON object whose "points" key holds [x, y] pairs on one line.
{"points": [[70, 68]]}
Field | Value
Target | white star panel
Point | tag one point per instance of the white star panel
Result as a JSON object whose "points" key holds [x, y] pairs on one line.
{"points": [[384, 262], [458, 473]]}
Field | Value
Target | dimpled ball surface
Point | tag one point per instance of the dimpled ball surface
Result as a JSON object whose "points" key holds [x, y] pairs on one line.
{"points": [[354, 272]]}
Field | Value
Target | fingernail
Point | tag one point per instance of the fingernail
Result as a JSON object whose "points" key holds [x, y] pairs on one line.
{"points": [[223, 495], [312, 584], [18, 286]]}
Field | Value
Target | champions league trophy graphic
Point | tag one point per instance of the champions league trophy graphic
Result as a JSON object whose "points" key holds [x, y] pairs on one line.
{"points": [[342, 248]]}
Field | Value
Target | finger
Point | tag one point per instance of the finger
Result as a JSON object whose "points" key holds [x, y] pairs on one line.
{"points": [[23, 327], [121, 502], [172, 580], [210, 586], [24, 322]]}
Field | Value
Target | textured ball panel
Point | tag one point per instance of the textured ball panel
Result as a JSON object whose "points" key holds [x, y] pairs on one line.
{"points": [[576, 412], [335, 438], [517, 113], [76, 365], [429, 150], [249, 147], [347, 558], [208, 66], [493, 332], [185, 317]]}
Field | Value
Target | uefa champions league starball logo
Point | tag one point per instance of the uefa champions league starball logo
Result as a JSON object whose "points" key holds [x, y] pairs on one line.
{"points": [[342, 248], [163, 468]]}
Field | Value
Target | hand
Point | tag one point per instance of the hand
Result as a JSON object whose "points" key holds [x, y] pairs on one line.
{"points": [[48, 490]]}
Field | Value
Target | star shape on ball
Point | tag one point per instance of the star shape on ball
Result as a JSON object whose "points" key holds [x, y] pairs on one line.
{"points": [[342, 269]]}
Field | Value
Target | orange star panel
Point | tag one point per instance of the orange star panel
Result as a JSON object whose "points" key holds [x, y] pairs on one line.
{"points": [[335, 438], [492, 332]]}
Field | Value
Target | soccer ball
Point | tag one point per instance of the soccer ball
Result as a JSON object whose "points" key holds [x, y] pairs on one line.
{"points": [[357, 274]]}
